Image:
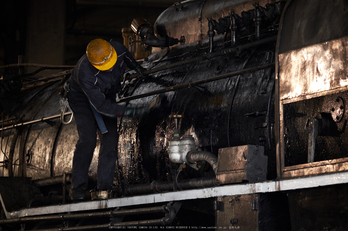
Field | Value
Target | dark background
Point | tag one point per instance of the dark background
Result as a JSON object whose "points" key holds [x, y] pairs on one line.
{"points": [[56, 32]]}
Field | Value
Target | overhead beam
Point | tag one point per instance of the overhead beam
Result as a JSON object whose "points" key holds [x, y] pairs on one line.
{"points": [[134, 3]]}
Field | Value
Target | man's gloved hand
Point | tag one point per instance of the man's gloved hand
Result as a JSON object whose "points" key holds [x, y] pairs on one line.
{"points": [[135, 111], [127, 109], [122, 107], [130, 112]]}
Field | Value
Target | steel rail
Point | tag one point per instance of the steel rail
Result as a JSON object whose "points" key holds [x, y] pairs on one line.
{"points": [[227, 190], [43, 119], [68, 216]]}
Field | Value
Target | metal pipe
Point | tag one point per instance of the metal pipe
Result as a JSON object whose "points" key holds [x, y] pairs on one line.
{"points": [[160, 221], [43, 119], [194, 156], [188, 85], [230, 111], [157, 209], [52, 180], [233, 29], [257, 22], [158, 187], [65, 180], [87, 227], [11, 153], [209, 56], [211, 34], [169, 210]]}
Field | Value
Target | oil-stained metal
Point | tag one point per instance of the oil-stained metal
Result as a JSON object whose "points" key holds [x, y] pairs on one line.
{"points": [[238, 213], [313, 128], [310, 130], [241, 163], [316, 168], [312, 73], [311, 70], [192, 84], [338, 109]]}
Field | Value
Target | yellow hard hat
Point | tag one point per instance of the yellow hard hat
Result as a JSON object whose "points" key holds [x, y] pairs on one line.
{"points": [[101, 54]]}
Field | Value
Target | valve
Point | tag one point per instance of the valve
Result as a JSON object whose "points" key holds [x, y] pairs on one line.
{"points": [[177, 119], [179, 147]]}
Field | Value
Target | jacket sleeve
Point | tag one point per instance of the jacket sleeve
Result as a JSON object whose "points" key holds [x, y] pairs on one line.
{"points": [[130, 61], [133, 64], [105, 106], [128, 57]]}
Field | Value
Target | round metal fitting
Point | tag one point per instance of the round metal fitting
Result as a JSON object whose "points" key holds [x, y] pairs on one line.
{"points": [[337, 109]]}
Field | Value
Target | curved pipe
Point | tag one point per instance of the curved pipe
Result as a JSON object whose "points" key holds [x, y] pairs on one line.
{"points": [[194, 156], [170, 216]]}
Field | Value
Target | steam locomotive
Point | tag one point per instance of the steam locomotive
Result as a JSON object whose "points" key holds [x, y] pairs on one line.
{"points": [[239, 124]]}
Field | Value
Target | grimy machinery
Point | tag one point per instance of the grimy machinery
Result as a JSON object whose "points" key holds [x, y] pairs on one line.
{"points": [[239, 124]]}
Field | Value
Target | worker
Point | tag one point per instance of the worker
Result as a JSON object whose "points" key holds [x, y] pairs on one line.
{"points": [[93, 86]]}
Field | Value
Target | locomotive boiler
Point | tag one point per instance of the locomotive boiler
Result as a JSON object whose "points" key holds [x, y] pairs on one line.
{"points": [[239, 124]]}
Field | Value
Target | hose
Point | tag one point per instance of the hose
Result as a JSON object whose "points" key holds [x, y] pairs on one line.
{"points": [[194, 156]]}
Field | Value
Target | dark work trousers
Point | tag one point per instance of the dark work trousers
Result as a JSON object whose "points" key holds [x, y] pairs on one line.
{"points": [[87, 130]]}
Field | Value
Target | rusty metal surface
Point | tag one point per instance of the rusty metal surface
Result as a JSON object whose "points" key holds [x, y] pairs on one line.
{"points": [[241, 163], [330, 146], [237, 212], [312, 73], [310, 70], [262, 212], [316, 168]]}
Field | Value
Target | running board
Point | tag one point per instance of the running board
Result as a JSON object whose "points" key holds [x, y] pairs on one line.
{"points": [[227, 190]]}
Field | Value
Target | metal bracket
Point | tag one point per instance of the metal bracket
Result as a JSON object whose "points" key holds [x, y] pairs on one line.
{"points": [[313, 131]]}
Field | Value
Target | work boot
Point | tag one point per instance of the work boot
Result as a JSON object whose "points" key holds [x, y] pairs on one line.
{"points": [[79, 194], [101, 194]]}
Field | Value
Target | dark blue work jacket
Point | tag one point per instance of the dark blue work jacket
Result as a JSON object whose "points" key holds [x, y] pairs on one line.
{"points": [[100, 87]]}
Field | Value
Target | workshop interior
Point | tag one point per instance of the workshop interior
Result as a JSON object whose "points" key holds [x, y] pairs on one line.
{"points": [[239, 123]]}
